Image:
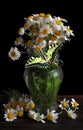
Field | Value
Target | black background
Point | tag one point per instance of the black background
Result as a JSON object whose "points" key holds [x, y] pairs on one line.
{"points": [[12, 17]]}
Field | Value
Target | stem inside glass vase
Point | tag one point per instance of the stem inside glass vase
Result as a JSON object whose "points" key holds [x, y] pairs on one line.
{"points": [[43, 85]]}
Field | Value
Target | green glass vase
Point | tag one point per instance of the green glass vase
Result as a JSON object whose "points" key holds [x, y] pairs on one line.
{"points": [[43, 84]]}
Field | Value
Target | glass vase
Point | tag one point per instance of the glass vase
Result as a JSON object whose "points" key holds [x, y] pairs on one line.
{"points": [[43, 84]]}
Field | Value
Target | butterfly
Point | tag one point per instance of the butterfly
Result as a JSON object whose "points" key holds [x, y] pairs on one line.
{"points": [[49, 57]]}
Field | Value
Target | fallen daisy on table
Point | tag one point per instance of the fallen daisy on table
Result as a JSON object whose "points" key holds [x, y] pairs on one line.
{"points": [[74, 103], [52, 115], [10, 115], [20, 104], [71, 114], [36, 116], [64, 104]]}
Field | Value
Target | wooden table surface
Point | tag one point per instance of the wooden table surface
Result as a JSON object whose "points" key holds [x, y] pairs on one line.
{"points": [[63, 123]]}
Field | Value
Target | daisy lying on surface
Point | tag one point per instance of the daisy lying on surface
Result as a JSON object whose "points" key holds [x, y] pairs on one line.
{"points": [[20, 104]]}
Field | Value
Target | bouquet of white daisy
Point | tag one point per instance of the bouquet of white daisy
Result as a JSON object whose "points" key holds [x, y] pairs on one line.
{"points": [[40, 36]]}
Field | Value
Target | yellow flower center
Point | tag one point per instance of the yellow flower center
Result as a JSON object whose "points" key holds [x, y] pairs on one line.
{"points": [[69, 115], [32, 105], [13, 54], [38, 48], [22, 103], [53, 38], [40, 40], [18, 39], [29, 18], [58, 22], [26, 25], [20, 113], [31, 116], [41, 14], [49, 116], [19, 30], [75, 104], [47, 15], [14, 103], [10, 115], [57, 32], [26, 109], [36, 18], [8, 106], [64, 104], [45, 31], [33, 30], [29, 42]]}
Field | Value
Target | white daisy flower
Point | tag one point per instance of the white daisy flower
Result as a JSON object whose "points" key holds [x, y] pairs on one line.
{"points": [[14, 53], [27, 25], [71, 114], [45, 30], [26, 108], [7, 106], [62, 38], [29, 19], [47, 18], [10, 115], [40, 18], [21, 102], [36, 116], [20, 111], [52, 116], [69, 31], [29, 105], [74, 103], [29, 22], [57, 24], [41, 41], [37, 18], [63, 20], [32, 114], [43, 44], [21, 31], [33, 32], [37, 48], [40, 117], [29, 50], [64, 104], [25, 97], [18, 41], [13, 102]]}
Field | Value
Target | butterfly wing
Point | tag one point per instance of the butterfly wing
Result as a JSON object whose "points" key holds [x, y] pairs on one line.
{"points": [[34, 61], [50, 55]]}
